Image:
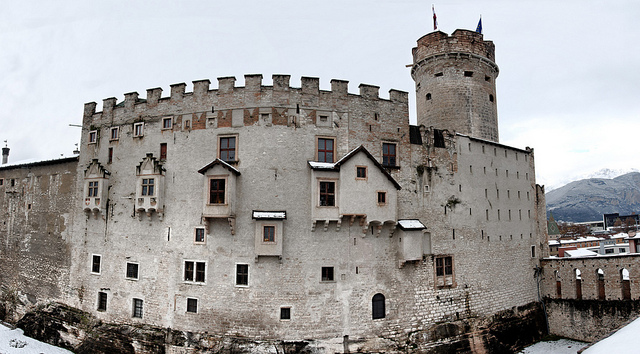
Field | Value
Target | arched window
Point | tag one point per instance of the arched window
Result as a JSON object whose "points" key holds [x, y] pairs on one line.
{"points": [[578, 284], [377, 306], [600, 283], [625, 283]]}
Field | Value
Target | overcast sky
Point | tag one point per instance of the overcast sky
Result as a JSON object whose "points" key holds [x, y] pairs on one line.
{"points": [[569, 83]]}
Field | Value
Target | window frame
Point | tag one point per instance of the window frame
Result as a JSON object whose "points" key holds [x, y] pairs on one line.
{"points": [[194, 272], [166, 126], [138, 130], [442, 270], [273, 235], [327, 274], [191, 303], [102, 301], [147, 187], [366, 172], [93, 263], [112, 136], [224, 191], [388, 155], [285, 313], [163, 151], [334, 193], [378, 307], [384, 198], [325, 150], [92, 188], [242, 278], [138, 308], [93, 137], [204, 235], [129, 270], [235, 148]]}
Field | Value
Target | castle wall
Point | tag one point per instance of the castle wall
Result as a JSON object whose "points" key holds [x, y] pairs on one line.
{"points": [[277, 130], [35, 221]]}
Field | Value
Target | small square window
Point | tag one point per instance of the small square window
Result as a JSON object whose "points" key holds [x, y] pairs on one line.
{"points": [[382, 198], [242, 274], [285, 313], [327, 274], [93, 137], [361, 172], [269, 233], [102, 301], [199, 235], [132, 271], [138, 130], [192, 305], [96, 260], [137, 308], [324, 118], [115, 133], [167, 123]]}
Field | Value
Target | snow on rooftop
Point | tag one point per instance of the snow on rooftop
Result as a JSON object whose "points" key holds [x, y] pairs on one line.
{"points": [[14, 341], [322, 165], [580, 253], [621, 342], [411, 224], [33, 161], [269, 214]]}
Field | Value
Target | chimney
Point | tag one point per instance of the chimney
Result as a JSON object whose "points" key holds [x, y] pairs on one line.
{"points": [[5, 155]]}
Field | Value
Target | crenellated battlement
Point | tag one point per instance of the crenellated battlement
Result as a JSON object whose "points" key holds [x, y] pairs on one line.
{"points": [[460, 41], [252, 94]]}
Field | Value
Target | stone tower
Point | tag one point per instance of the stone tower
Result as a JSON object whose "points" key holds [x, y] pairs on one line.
{"points": [[455, 83]]}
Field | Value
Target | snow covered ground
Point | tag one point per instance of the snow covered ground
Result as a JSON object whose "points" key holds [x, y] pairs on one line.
{"points": [[14, 341], [561, 346]]}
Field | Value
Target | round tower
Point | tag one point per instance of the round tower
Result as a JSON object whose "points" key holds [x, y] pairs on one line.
{"points": [[455, 83]]}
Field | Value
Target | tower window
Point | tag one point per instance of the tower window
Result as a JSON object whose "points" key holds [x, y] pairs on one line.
{"points": [[438, 74], [487, 78], [468, 73], [491, 98], [285, 313], [428, 96]]}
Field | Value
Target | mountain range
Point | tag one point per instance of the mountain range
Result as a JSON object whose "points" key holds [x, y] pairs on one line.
{"points": [[587, 199]]}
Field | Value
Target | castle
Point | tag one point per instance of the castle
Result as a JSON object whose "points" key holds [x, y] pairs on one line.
{"points": [[280, 213]]}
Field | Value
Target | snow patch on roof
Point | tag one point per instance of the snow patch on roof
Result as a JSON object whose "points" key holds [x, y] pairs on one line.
{"points": [[322, 165], [269, 214], [580, 253], [411, 224]]}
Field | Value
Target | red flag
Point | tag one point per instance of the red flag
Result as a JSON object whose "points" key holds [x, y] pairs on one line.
{"points": [[435, 20]]}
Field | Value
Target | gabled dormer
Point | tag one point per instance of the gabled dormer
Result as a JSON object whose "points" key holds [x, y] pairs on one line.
{"points": [[150, 187], [96, 188], [219, 191], [356, 187]]}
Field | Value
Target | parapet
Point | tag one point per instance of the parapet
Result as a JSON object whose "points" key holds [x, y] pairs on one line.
{"points": [[460, 41], [202, 93]]}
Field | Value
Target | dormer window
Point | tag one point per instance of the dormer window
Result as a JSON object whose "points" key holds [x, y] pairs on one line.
{"points": [[327, 193], [96, 180], [148, 185], [217, 191]]}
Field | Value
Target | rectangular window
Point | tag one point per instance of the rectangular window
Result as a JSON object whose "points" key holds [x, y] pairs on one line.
{"points": [[388, 154], [167, 123], [95, 263], [114, 133], [285, 313], [216, 191], [444, 266], [438, 139], [327, 274], [325, 149], [327, 193], [199, 236], [137, 308], [533, 251], [163, 151], [1, 181], [92, 191], [382, 198], [102, 301], [269, 234], [138, 130], [93, 137], [242, 274], [194, 271], [361, 172], [132, 270], [110, 157], [147, 186], [192, 305], [228, 149]]}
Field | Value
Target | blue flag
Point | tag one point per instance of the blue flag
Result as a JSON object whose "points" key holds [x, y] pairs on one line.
{"points": [[479, 28]]}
